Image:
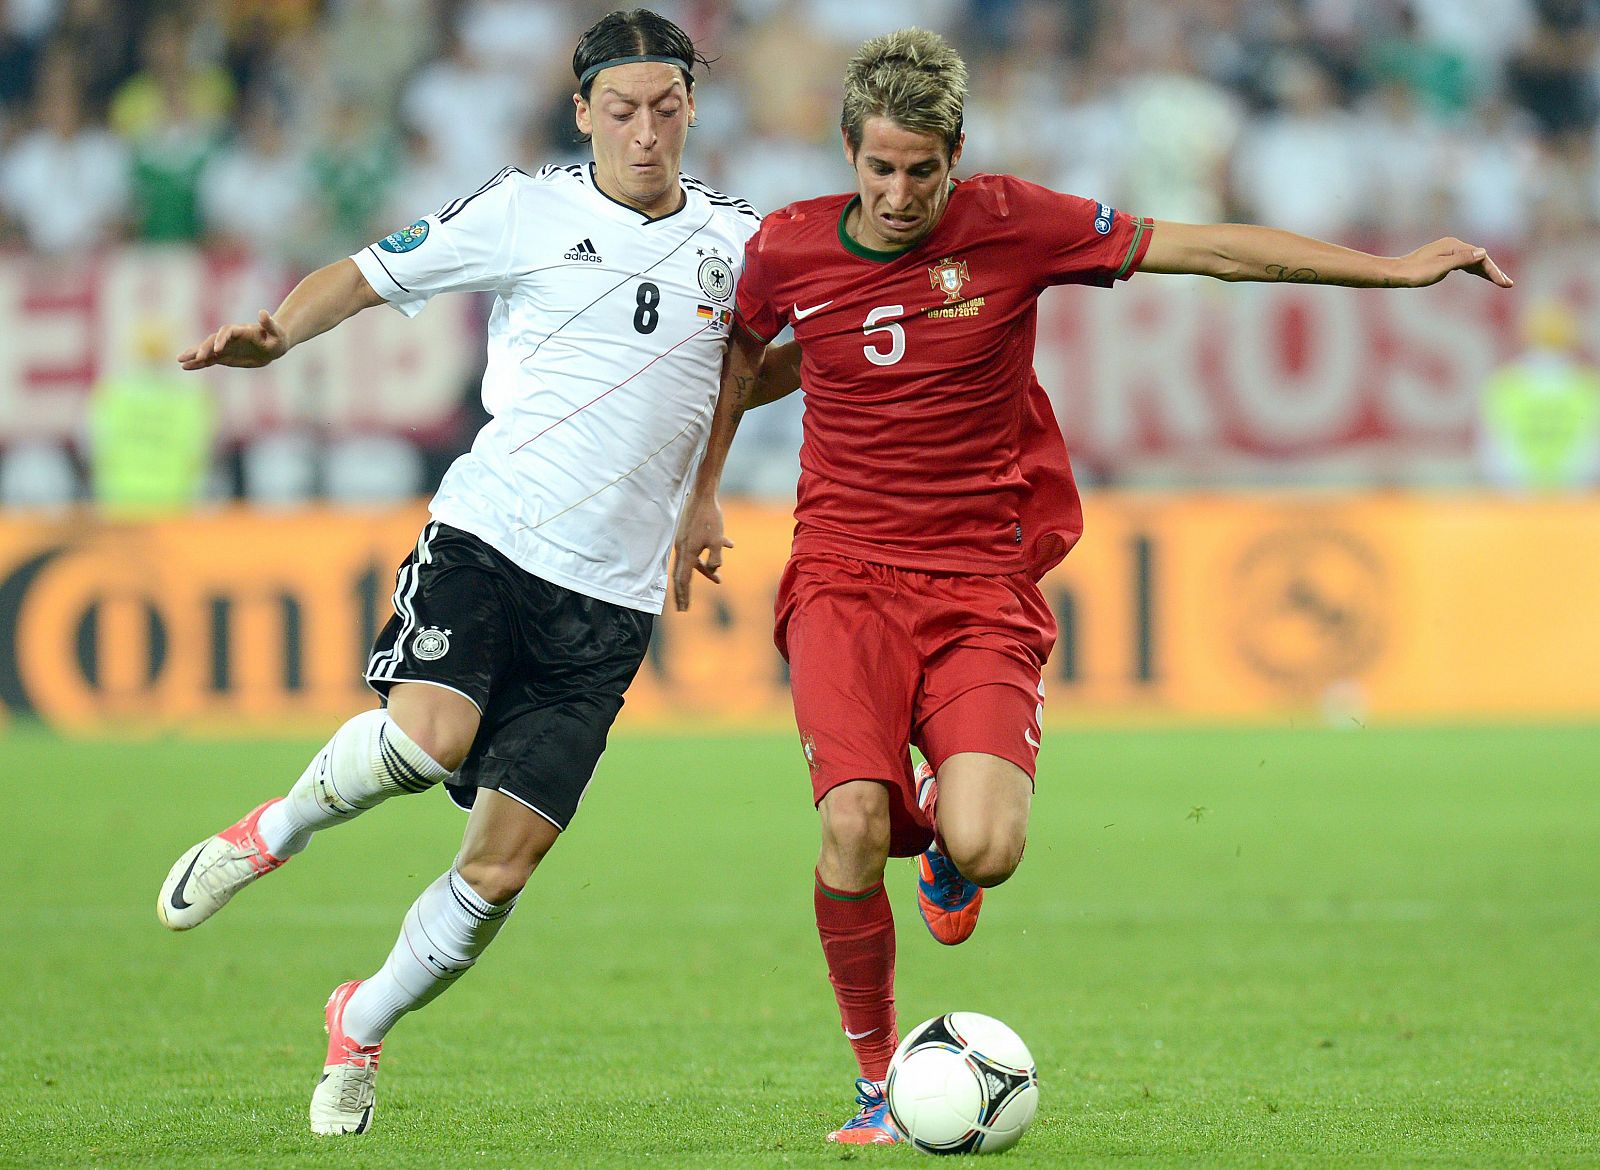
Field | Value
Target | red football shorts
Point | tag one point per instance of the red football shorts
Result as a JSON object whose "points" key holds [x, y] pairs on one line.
{"points": [[881, 658]]}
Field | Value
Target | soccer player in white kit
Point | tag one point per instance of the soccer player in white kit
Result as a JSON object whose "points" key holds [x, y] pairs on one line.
{"points": [[526, 607]]}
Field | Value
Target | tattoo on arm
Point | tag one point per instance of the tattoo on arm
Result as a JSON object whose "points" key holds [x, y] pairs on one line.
{"points": [[1282, 272], [747, 387]]}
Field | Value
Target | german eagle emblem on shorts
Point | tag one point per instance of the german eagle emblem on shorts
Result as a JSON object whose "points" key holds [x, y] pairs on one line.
{"points": [[716, 278], [430, 643]]}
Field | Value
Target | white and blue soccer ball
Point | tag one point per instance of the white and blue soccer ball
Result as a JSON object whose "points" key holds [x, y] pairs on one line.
{"points": [[962, 1083]]}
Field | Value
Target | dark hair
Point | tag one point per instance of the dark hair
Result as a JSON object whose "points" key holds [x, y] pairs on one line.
{"points": [[637, 33]]}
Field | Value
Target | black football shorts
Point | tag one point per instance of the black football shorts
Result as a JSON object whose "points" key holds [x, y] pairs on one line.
{"points": [[545, 666]]}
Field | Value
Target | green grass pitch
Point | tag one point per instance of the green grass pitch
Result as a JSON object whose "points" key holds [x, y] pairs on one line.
{"points": [[1372, 948]]}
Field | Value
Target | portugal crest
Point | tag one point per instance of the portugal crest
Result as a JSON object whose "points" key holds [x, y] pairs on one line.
{"points": [[948, 276]]}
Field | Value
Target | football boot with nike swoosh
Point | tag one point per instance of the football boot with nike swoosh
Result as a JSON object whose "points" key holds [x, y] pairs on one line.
{"points": [[210, 873], [347, 1093]]}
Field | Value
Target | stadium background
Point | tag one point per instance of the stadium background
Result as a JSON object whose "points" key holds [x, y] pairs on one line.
{"points": [[1298, 503], [1354, 927]]}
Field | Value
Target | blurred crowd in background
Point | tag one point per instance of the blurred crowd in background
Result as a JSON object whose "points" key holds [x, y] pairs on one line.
{"points": [[299, 130], [229, 120]]}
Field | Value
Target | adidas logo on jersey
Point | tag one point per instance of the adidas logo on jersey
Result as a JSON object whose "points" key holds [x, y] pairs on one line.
{"points": [[583, 251]]}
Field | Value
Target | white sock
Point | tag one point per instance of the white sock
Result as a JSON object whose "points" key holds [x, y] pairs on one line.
{"points": [[444, 932], [367, 761]]}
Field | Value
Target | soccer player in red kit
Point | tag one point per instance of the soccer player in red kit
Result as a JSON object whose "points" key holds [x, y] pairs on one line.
{"points": [[934, 493]]}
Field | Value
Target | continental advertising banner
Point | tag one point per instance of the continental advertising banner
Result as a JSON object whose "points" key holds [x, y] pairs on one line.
{"points": [[1173, 608]]}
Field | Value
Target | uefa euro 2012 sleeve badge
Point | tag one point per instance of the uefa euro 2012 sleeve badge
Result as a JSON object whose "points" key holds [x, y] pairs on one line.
{"points": [[406, 238], [430, 643]]}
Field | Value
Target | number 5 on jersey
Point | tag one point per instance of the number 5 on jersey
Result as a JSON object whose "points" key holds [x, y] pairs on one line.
{"points": [[896, 339]]}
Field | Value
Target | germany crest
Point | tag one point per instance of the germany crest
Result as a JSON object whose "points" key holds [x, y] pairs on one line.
{"points": [[948, 276]]}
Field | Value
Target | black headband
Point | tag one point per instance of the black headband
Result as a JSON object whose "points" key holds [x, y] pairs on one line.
{"points": [[589, 73]]}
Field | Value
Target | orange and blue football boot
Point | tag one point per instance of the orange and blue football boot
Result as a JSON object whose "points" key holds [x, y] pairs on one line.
{"points": [[871, 1126], [949, 903]]}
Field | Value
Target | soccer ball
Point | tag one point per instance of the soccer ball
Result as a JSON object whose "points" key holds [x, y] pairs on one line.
{"points": [[962, 1083]]}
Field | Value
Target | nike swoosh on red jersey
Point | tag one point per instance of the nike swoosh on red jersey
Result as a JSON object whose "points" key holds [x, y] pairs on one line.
{"points": [[801, 314]]}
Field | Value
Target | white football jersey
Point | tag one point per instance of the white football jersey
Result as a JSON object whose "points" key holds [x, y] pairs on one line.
{"points": [[605, 352]]}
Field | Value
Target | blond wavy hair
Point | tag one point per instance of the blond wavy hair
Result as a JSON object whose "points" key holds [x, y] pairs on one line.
{"points": [[912, 77]]}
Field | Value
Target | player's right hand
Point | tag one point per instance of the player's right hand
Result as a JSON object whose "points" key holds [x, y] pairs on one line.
{"points": [[246, 346]]}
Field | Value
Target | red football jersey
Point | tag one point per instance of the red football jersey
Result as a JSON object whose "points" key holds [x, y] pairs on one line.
{"points": [[928, 442]]}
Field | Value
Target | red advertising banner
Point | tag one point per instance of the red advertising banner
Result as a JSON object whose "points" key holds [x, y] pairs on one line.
{"points": [[64, 323], [1184, 379], [1164, 379]]}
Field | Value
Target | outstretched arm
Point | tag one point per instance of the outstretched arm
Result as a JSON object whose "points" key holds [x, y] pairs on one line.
{"points": [[1237, 251], [319, 302]]}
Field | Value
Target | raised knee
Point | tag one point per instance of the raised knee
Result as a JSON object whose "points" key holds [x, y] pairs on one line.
{"points": [[987, 864], [496, 881], [442, 740], [440, 722]]}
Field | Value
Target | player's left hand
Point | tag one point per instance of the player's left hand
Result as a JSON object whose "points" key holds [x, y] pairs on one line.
{"points": [[698, 546], [1431, 263]]}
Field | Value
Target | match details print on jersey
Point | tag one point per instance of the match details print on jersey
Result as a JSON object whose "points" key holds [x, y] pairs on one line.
{"points": [[605, 347]]}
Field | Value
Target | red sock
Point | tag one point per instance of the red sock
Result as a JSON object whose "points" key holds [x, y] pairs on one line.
{"points": [[857, 931]]}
